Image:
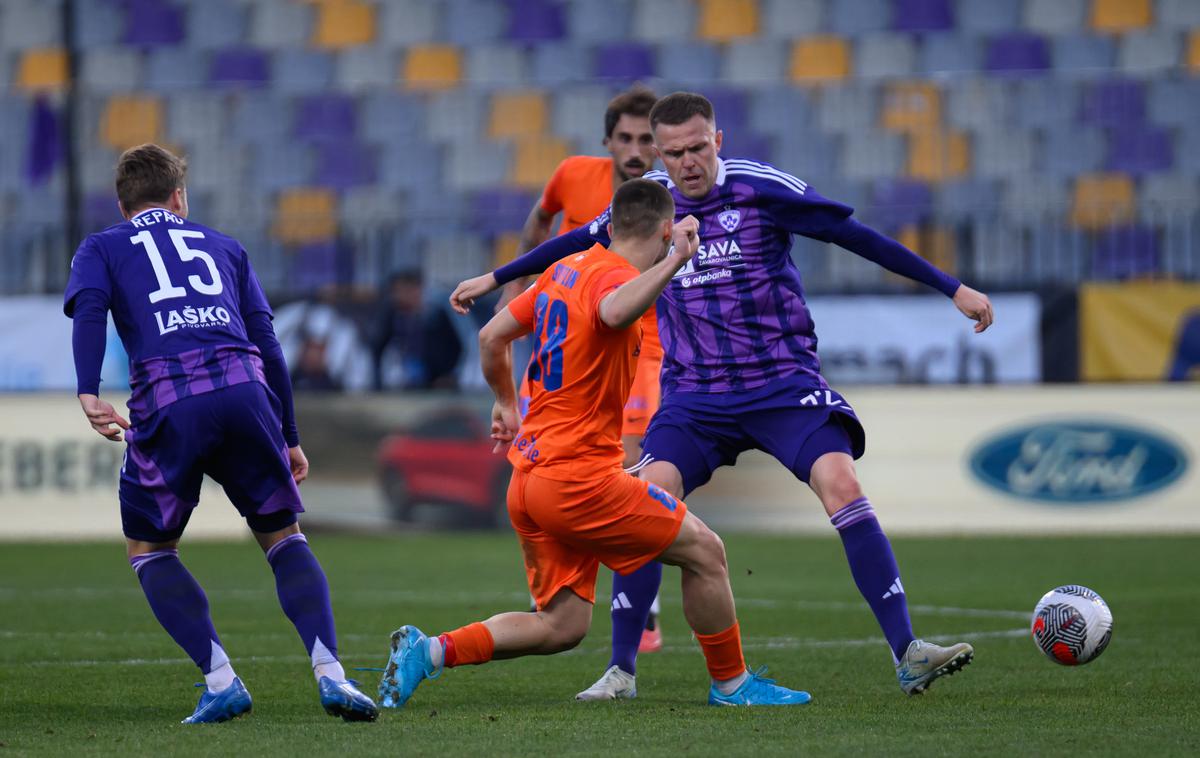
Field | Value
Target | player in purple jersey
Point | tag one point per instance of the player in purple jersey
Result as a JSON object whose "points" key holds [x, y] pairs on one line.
{"points": [[740, 369], [210, 395]]}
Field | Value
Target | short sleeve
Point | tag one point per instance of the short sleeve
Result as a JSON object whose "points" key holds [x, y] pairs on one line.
{"points": [[252, 298], [795, 206], [89, 270], [553, 193], [606, 282], [522, 307]]}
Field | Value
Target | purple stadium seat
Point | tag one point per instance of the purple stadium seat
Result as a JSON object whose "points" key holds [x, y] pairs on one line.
{"points": [[731, 107], [498, 210], [895, 203], [535, 21], [342, 164], [239, 66], [326, 117], [1017, 53], [624, 60], [319, 264], [153, 22], [922, 15], [100, 211], [1140, 151], [1126, 251], [1119, 103], [744, 143]]}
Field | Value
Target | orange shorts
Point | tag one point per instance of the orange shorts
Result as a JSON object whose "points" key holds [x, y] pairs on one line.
{"points": [[643, 399], [567, 529]]}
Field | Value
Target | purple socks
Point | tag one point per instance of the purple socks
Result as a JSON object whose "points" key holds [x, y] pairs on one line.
{"points": [[180, 606], [632, 596], [304, 595], [874, 569]]}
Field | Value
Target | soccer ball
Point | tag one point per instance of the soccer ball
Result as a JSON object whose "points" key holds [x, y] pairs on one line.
{"points": [[1072, 625]]}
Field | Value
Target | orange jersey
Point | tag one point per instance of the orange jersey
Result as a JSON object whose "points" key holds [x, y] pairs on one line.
{"points": [[581, 370], [581, 188]]}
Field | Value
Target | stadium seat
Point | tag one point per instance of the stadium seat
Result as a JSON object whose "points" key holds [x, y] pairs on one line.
{"points": [[215, 24], [411, 165], [559, 63], [690, 64], [1116, 103], [1017, 54], [820, 60], [131, 120], [305, 215], [496, 65], [589, 21], [663, 20], [749, 144], [755, 63], [911, 107], [518, 114], [1149, 53], [1125, 252], [787, 19], [474, 22], [933, 243], [216, 166], [625, 62], [431, 67], [1037, 198], [280, 165], [500, 209], [113, 69], [1044, 103], [456, 116], [578, 114], [344, 23], [150, 23], [1102, 200], [274, 26], [1068, 151], [1139, 150], [968, 198], [1166, 196], [99, 210], [870, 155], [938, 156], [299, 72], [532, 21], [843, 109], [171, 69], [388, 116], [261, 117], [29, 25], [365, 69], [900, 202], [408, 22], [363, 207], [1055, 16], [341, 164], [814, 157], [1120, 15], [1178, 14], [42, 68], [987, 16], [504, 248], [978, 104], [97, 24], [1174, 102], [781, 110], [1001, 152], [884, 55], [239, 67], [1193, 52], [922, 15], [853, 19], [475, 165], [1083, 56], [325, 116], [535, 160], [96, 169], [725, 20], [942, 53]]}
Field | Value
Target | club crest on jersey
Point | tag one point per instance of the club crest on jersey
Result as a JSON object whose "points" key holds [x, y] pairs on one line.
{"points": [[730, 219]]}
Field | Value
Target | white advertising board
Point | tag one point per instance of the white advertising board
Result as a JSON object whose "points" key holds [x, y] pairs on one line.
{"points": [[35, 348]]}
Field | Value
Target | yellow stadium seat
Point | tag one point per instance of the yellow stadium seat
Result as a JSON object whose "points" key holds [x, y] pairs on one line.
{"points": [[504, 249], [432, 67], [131, 120], [1120, 15], [344, 23], [938, 156], [933, 243], [1193, 52], [43, 68], [1102, 200], [723, 20], [912, 107], [305, 215], [535, 161], [518, 114], [820, 59]]}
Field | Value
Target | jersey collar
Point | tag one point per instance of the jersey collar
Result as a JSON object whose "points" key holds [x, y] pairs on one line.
{"points": [[720, 172], [151, 209]]}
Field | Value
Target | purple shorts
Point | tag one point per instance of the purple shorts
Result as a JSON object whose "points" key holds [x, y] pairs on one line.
{"points": [[699, 432], [235, 436]]}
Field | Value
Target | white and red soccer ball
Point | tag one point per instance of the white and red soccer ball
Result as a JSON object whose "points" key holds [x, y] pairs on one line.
{"points": [[1072, 625]]}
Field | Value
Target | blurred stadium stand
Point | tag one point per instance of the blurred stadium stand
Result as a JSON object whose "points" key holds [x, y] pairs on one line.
{"points": [[1017, 142]]}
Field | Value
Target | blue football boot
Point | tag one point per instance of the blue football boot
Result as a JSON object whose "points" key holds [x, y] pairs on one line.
{"points": [[408, 665], [343, 699], [227, 704], [758, 690]]}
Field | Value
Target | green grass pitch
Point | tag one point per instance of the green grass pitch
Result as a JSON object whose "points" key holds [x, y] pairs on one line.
{"points": [[85, 669]]}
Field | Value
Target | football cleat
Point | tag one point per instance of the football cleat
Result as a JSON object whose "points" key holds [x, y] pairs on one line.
{"points": [[343, 699], [614, 685], [758, 690], [408, 665], [924, 662], [651, 641], [215, 707]]}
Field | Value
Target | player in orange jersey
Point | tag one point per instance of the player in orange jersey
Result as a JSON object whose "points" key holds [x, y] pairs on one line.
{"points": [[570, 502]]}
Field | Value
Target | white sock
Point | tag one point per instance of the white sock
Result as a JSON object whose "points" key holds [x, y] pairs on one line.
{"points": [[729, 686], [325, 664], [436, 653], [220, 675]]}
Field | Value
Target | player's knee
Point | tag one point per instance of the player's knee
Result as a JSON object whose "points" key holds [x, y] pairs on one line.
{"points": [[698, 548], [835, 481], [567, 634], [666, 476]]}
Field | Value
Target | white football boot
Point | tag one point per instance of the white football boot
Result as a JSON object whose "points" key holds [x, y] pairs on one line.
{"points": [[614, 685], [924, 661]]}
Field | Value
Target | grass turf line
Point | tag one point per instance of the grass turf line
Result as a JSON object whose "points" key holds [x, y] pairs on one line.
{"points": [[85, 669]]}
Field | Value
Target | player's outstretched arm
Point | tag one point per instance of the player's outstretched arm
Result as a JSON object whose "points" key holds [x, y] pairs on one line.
{"points": [[495, 359], [623, 307], [974, 305]]}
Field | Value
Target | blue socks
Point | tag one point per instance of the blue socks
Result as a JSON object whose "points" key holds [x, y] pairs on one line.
{"points": [[304, 596], [632, 596], [873, 566], [180, 606]]}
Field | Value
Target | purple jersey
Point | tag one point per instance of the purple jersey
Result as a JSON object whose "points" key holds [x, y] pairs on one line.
{"points": [[734, 318], [178, 292]]}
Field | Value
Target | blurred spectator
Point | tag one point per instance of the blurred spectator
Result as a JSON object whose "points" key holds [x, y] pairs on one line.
{"points": [[311, 370], [323, 347], [413, 345]]}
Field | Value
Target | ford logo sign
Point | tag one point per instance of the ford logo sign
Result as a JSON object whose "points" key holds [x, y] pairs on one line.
{"points": [[1078, 462]]}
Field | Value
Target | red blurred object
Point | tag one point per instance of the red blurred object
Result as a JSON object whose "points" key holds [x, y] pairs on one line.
{"points": [[445, 459]]}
